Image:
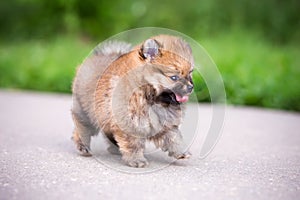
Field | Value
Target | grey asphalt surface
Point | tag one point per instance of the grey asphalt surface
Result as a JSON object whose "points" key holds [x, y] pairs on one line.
{"points": [[257, 157]]}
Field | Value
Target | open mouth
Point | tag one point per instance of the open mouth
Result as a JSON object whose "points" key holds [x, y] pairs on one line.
{"points": [[170, 97], [182, 99]]}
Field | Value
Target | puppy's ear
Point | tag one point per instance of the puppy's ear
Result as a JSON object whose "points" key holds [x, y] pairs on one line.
{"points": [[150, 49]]}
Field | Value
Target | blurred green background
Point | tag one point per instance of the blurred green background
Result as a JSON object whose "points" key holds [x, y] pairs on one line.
{"points": [[255, 44]]}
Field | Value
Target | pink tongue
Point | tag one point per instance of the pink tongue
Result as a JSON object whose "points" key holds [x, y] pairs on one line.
{"points": [[181, 99]]}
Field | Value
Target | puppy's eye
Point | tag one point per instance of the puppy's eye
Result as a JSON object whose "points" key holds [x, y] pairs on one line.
{"points": [[174, 78]]}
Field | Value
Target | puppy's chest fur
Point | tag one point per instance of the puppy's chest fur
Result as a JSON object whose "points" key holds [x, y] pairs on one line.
{"points": [[149, 116]]}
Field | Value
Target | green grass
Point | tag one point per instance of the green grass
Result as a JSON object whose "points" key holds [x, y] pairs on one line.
{"points": [[41, 65], [254, 71]]}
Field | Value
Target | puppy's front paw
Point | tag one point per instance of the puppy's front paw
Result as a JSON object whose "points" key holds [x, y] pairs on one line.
{"points": [[138, 162], [178, 156]]}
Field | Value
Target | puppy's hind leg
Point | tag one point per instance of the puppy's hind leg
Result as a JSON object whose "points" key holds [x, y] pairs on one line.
{"points": [[82, 135]]}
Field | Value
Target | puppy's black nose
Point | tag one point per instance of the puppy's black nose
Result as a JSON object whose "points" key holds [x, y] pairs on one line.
{"points": [[190, 88]]}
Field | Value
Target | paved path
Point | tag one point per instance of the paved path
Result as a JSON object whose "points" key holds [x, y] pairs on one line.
{"points": [[257, 157]]}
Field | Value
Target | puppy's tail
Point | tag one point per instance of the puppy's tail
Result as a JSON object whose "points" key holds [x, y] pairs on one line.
{"points": [[112, 48]]}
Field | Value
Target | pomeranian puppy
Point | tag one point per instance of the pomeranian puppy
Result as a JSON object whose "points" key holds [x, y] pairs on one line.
{"points": [[132, 95]]}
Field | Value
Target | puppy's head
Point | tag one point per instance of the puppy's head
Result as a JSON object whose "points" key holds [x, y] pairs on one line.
{"points": [[171, 63]]}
